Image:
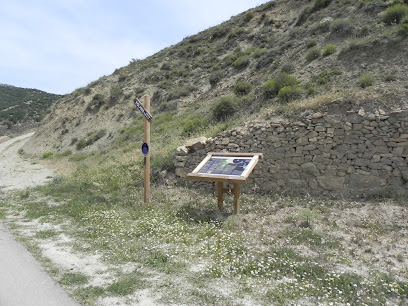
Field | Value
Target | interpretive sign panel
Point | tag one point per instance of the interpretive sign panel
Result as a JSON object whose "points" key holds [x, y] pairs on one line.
{"points": [[227, 167]]}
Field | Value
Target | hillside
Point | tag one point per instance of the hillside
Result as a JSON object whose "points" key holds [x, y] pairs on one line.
{"points": [[22, 108], [350, 52]]}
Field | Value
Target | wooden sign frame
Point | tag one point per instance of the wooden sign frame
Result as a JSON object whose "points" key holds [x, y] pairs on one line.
{"points": [[220, 167]]}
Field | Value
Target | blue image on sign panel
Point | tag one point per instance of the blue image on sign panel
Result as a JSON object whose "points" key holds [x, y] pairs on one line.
{"points": [[145, 148]]}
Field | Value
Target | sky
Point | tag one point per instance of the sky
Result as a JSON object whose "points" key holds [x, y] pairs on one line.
{"points": [[61, 45]]}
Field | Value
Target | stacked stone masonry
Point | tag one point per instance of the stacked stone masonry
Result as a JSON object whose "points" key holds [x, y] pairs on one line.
{"points": [[355, 155]]}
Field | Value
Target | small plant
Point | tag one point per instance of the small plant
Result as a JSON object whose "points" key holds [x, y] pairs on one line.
{"points": [[241, 62], [366, 80], [341, 26], [248, 16], [403, 30], [311, 43], [224, 108], [329, 49], [47, 154], [215, 77], [194, 125], [318, 4], [312, 54], [394, 14], [288, 67], [242, 88], [289, 93], [271, 88]]}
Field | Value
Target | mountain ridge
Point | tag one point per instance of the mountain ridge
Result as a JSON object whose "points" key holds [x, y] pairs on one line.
{"points": [[186, 81]]}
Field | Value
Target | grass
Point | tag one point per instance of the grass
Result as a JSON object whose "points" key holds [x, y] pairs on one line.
{"points": [[171, 237]]}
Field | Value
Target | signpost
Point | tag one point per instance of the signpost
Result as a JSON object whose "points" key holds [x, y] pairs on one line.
{"points": [[226, 168], [145, 110]]}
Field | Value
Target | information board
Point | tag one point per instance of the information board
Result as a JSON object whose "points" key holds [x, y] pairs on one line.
{"points": [[227, 167]]}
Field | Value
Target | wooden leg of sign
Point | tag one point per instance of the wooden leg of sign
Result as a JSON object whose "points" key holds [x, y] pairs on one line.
{"points": [[147, 157], [236, 198], [220, 188]]}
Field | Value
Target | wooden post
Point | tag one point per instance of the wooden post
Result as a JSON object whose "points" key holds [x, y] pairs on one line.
{"points": [[220, 187], [147, 157], [236, 198]]}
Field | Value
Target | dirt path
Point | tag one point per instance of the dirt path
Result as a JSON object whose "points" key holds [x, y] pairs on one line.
{"points": [[22, 280], [15, 171]]}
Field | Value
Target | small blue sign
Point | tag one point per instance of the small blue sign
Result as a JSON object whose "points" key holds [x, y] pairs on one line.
{"points": [[145, 148]]}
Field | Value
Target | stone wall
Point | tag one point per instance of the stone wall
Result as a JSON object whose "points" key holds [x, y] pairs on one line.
{"points": [[351, 155]]}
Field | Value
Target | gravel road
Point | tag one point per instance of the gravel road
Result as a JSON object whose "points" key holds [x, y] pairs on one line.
{"points": [[23, 281], [17, 172]]}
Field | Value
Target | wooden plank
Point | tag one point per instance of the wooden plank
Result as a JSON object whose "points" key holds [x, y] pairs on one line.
{"points": [[228, 154], [217, 178], [220, 199], [236, 198]]}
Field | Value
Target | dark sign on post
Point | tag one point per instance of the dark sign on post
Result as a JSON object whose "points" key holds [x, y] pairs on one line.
{"points": [[145, 113]]}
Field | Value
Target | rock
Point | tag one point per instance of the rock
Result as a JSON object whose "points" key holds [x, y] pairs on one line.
{"points": [[310, 169], [331, 182], [317, 115], [182, 151], [196, 144]]}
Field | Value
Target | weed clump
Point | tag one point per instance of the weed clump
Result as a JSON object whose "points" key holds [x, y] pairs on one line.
{"points": [[394, 14], [312, 54], [224, 108], [194, 125], [242, 88], [366, 80], [289, 93], [272, 87], [329, 49]]}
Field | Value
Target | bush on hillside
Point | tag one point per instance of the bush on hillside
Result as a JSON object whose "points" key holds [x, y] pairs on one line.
{"points": [[318, 4], [366, 80], [329, 49], [341, 26], [194, 125], [241, 62], [312, 54], [288, 67], [215, 77], [394, 14], [271, 88], [289, 93], [242, 88], [224, 108]]}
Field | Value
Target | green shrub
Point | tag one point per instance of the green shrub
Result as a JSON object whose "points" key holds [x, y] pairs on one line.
{"points": [[288, 67], [215, 77], [394, 14], [318, 4], [311, 43], [366, 80], [115, 93], [341, 26], [241, 62], [271, 87], [312, 54], [194, 125], [403, 30], [224, 108], [289, 93], [248, 16], [242, 88], [47, 154], [329, 49]]}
